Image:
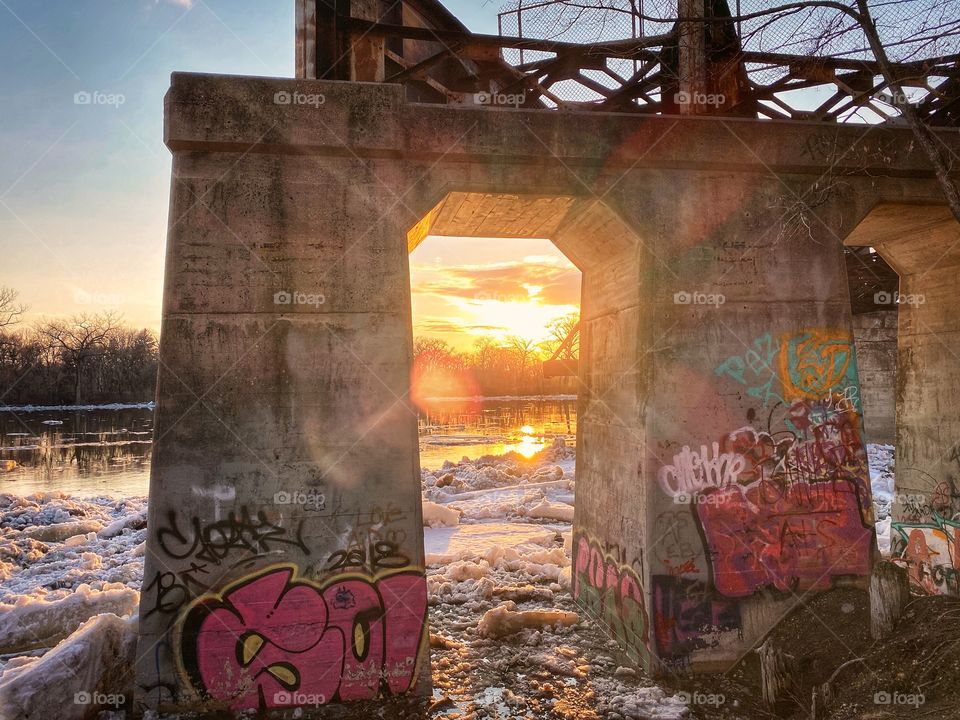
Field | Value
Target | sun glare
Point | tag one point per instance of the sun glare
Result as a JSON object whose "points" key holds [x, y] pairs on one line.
{"points": [[530, 443], [501, 319], [465, 289]]}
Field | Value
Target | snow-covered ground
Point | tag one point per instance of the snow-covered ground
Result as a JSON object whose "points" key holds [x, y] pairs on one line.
{"points": [[498, 565], [881, 478]]}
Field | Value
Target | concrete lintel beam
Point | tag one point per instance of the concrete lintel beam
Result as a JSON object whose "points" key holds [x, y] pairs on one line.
{"points": [[240, 114]]}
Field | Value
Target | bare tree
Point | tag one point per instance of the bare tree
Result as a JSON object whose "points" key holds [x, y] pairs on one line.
{"points": [[561, 329], [11, 311], [78, 340]]}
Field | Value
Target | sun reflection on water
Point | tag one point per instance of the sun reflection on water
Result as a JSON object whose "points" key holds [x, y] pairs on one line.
{"points": [[530, 443]]}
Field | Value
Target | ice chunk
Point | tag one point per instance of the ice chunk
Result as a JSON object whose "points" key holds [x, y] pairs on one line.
{"points": [[504, 620], [93, 664], [435, 515], [29, 624], [547, 510], [62, 531]]}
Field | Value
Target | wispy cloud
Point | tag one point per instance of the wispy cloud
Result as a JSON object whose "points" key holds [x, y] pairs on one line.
{"points": [[540, 278]]}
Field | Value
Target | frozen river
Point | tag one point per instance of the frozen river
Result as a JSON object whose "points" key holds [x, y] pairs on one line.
{"points": [[105, 450]]}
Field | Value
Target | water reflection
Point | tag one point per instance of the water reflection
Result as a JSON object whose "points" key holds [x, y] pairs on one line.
{"points": [[452, 428], [88, 452], [107, 452]]}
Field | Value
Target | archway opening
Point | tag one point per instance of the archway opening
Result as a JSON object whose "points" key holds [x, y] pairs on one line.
{"points": [[496, 326], [875, 310], [499, 515], [496, 341], [920, 244]]}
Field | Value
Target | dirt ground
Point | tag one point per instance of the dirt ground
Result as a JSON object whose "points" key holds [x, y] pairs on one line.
{"points": [[913, 674]]}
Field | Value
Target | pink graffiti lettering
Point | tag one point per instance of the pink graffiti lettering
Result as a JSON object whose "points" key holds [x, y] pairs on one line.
{"points": [[270, 639], [612, 594]]}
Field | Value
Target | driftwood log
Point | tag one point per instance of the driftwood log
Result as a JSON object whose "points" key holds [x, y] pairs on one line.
{"points": [[777, 673], [889, 595]]}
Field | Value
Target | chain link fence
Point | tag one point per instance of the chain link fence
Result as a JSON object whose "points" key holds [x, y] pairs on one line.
{"points": [[910, 29]]}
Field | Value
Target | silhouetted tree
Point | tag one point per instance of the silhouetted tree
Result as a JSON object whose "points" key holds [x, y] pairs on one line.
{"points": [[79, 340]]}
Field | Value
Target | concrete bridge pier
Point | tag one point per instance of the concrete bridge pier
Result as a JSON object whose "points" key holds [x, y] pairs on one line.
{"points": [[285, 562], [753, 490], [922, 243]]}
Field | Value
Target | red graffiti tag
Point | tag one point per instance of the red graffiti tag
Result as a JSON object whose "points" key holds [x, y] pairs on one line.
{"points": [[799, 537], [272, 641]]}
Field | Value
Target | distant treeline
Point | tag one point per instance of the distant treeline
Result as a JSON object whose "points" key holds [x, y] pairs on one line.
{"points": [[87, 358], [491, 368], [91, 358]]}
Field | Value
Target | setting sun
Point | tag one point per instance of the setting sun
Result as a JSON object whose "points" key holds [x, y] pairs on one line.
{"points": [[466, 289]]}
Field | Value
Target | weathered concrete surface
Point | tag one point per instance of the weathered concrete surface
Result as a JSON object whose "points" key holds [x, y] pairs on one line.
{"points": [[684, 555], [922, 243], [875, 337]]}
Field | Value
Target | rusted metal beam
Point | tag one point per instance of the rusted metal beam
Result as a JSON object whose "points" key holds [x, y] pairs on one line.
{"points": [[613, 48], [561, 368]]}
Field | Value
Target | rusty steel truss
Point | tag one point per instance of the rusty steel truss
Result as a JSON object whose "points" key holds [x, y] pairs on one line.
{"points": [[419, 44]]}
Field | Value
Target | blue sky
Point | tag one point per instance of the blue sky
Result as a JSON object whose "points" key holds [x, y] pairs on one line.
{"points": [[84, 187]]}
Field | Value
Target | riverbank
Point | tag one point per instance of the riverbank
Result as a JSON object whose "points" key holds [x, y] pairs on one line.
{"points": [[504, 636]]}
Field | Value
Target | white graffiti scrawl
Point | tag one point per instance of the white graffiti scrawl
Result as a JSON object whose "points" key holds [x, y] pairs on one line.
{"points": [[694, 472]]}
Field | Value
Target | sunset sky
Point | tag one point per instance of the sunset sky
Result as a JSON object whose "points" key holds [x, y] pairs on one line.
{"points": [[84, 188], [464, 288]]}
